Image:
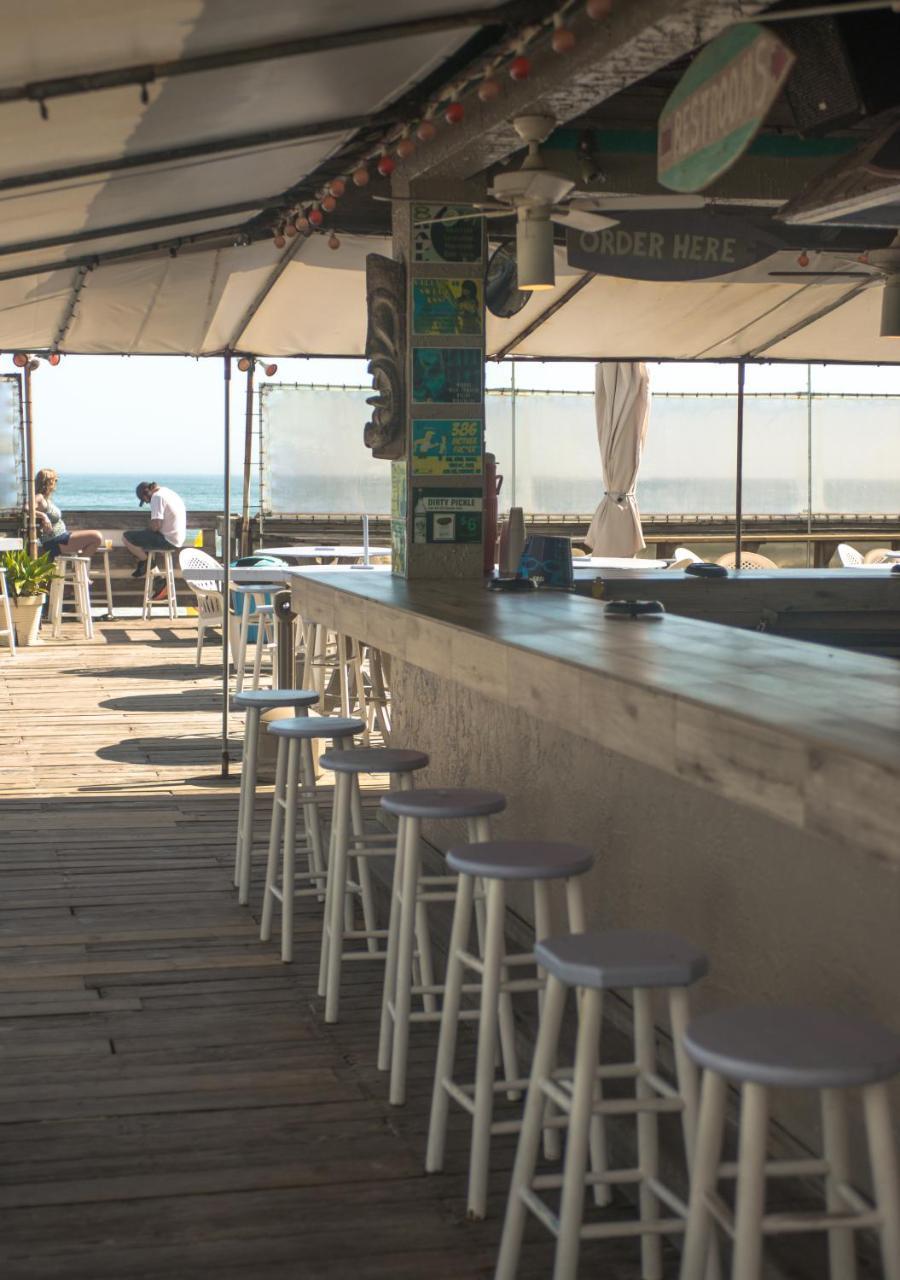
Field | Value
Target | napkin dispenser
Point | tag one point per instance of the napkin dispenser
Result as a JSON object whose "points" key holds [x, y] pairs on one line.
{"points": [[547, 560]]}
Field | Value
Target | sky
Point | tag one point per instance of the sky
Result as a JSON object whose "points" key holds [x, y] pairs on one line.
{"points": [[143, 414]]}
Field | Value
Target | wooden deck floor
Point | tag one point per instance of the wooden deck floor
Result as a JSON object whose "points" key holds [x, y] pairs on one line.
{"points": [[171, 1103]]}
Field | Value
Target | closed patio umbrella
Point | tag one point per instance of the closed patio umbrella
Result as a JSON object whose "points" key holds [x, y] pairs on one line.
{"points": [[622, 406]]}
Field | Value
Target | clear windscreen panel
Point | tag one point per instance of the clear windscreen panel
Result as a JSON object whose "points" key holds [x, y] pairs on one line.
{"points": [[12, 452]]}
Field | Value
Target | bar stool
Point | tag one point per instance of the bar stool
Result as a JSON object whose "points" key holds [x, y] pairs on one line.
{"points": [[327, 652], [254, 610], [591, 963], [78, 567], [7, 630], [168, 564], [410, 894], [792, 1048], [494, 863], [255, 702], [295, 780], [348, 841]]}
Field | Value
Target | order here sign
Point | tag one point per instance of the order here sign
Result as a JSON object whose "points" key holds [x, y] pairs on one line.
{"points": [[719, 105]]}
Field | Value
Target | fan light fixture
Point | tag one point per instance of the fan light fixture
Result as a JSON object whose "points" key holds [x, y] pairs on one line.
{"points": [[890, 308], [534, 250]]}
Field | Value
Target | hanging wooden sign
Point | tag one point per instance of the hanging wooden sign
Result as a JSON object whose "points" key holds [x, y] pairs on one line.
{"points": [[719, 106]]}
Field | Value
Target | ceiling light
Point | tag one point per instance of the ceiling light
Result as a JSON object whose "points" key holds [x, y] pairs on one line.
{"points": [[534, 250]]}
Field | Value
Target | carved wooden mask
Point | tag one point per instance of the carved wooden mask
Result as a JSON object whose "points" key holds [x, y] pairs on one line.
{"points": [[385, 434]]}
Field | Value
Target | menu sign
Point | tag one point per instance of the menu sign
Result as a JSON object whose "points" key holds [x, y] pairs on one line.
{"points": [[446, 446], [447, 515]]}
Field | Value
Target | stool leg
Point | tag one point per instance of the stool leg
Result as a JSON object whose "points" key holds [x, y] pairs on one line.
{"points": [[288, 851], [57, 585], [242, 643], [265, 930], [312, 822], [425, 959], [337, 888], [390, 964], [686, 1077], [571, 1209], [530, 1135], [364, 873], [246, 806], [704, 1175], [647, 1131], [326, 911], [835, 1148], [258, 649], [356, 660], [751, 1183], [148, 580], [883, 1156], [343, 674], [443, 1070], [406, 934], [543, 927], [480, 1150], [170, 586]]}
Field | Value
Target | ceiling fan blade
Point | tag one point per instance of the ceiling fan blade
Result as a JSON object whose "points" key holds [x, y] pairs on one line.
{"points": [[581, 219], [468, 204], [461, 217], [646, 204]]}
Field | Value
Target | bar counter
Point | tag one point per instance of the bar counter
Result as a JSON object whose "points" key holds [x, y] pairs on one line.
{"points": [[738, 788]]}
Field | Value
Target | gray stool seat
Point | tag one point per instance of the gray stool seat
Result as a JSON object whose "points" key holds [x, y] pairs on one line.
{"points": [[616, 958], [520, 860], [316, 727], [269, 699], [444, 802], [374, 760], [255, 588], [794, 1048]]}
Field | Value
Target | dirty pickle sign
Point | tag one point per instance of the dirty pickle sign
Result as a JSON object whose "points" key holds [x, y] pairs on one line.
{"points": [[692, 245], [719, 105]]}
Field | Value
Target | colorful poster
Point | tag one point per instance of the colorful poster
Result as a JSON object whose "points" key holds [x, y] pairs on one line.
{"points": [[447, 375], [458, 239], [446, 447], [398, 548], [398, 489], [447, 306], [447, 515]]}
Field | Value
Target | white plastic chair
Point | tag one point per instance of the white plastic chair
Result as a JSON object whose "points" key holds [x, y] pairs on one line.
{"points": [[210, 604], [685, 553], [7, 630], [849, 557]]}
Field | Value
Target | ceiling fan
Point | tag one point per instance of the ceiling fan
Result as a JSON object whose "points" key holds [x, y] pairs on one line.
{"points": [[538, 197]]}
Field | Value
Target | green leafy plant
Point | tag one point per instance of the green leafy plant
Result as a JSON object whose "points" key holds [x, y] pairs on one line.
{"points": [[27, 575]]}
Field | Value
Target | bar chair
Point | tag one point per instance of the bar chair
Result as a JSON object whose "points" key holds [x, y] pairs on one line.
{"points": [[77, 567], [792, 1048]]}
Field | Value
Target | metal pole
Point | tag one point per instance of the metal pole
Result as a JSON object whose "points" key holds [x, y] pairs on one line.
{"points": [[29, 464], [284, 647], [739, 479], [226, 580], [248, 450], [809, 465]]}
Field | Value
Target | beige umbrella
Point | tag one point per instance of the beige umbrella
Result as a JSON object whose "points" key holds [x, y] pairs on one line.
{"points": [[622, 406]]}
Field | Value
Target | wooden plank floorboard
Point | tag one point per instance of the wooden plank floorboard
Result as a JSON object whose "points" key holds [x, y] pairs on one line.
{"points": [[172, 1106]]}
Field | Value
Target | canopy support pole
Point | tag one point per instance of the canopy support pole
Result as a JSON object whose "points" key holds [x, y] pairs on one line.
{"points": [[739, 471], [226, 557], [29, 462], [248, 451]]}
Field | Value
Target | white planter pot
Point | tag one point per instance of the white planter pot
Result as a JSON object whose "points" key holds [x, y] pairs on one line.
{"points": [[26, 614]]}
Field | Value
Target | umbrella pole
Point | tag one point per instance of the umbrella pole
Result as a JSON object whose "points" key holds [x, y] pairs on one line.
{"points": [[248, 450], [226, 582], [739, 477], [29, 464]]}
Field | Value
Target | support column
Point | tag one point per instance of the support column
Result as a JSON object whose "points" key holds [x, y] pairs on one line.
{"points": [[437, 506]]}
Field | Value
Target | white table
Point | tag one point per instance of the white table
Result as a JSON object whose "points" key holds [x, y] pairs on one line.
{"points": [[339, 552]]}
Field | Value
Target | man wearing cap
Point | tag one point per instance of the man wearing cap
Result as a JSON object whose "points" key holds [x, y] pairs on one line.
{"points": [[168, 524]]}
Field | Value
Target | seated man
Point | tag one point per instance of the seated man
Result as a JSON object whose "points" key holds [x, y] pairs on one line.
{"points": [[168, 522]]}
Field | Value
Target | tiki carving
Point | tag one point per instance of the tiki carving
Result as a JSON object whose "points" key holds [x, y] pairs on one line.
{"points": [[385, 433]]}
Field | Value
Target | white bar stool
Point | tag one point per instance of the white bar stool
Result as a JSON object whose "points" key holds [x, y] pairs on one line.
{"points": [[591, 963], [295, 781], [78, 567], [348, 841], [254, 612], [327, 652], [7, 630], [168, 563], [410, 894], [792, 1048], [494, 864], [255, 702]]}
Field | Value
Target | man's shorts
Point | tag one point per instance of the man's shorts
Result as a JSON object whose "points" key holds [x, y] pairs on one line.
{"points": [[148, 540]]}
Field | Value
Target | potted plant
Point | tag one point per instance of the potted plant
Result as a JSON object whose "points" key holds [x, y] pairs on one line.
{"points": [[27, 580]]}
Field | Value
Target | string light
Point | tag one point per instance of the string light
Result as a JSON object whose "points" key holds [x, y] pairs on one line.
{"points": [[405, 147], [427, 130], [290, 230], [520, 68], [386, 165], [337, 186], [454, 113], [598, 9], [803, 260], [489, 89], [361, 176], [315, 217], [333, 242], [301, 222], [563, 39], [279, 241], [329, 204]]}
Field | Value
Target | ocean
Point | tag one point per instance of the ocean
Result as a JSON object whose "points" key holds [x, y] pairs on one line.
{"points": [[99, 492]]}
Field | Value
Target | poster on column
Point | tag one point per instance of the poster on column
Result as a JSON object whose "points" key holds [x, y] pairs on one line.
{"points": [[446, 447], [447, 515], [447, 307], [447, 375], [446, 233]]}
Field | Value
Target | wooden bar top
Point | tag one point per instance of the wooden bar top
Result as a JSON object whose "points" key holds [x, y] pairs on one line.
{"points": [[807, 733]]}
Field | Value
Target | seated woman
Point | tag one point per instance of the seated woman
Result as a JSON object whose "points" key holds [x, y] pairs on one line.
{"points": [[55, 538]]}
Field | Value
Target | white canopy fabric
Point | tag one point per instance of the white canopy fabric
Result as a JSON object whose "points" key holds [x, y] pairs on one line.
{"points": [[622, 406]]}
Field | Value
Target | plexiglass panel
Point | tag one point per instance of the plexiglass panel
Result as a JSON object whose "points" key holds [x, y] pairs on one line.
{"points": [[12, 463]]}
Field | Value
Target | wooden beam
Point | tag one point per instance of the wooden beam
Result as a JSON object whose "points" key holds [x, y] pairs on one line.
{"points": [[637, 39]]}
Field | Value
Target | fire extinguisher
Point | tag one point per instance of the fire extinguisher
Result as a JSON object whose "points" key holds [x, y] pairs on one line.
{"points": [[493, 483]]}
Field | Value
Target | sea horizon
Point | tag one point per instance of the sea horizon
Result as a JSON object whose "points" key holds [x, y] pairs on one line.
{"points": [[115, 490]]}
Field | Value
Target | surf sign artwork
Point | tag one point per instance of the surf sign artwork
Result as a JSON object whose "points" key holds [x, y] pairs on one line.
{"points": [[719, 106]]}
